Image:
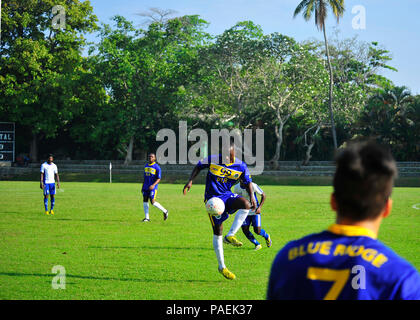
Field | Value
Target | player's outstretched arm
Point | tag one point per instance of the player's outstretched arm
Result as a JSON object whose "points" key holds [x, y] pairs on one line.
{"points": [[188, 185], [250, 191], [154, 185], [41, 184], [263, 197], [58, 180]]}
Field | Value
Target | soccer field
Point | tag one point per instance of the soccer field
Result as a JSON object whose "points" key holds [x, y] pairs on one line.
{"points": [[108, 253]]}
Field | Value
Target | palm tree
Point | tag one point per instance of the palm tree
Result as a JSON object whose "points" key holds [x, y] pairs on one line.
{"points": [[320, 9], [399, 99]]}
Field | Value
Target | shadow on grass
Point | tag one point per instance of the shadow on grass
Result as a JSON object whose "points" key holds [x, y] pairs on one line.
{"points": [[151, 248], [43, 215], [89, 220], [73, 276], [11, 212]]}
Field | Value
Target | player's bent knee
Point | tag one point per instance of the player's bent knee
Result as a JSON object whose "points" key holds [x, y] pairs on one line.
{"points": [[218, 230], [246, 204], [257, 230]]}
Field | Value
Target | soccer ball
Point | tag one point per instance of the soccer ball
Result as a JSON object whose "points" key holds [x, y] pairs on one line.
{"points": [[215, 206]]}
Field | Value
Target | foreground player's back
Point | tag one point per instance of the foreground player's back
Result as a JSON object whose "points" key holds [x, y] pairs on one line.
{"points": [[344, 262]]}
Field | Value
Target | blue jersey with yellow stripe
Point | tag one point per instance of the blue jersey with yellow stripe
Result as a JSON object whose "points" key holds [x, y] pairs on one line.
{"points": [[152, 172], [344, 262], [221, 177]]}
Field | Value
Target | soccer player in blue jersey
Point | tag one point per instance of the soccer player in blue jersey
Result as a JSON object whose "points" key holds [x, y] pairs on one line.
{"points": [[221, 176], [346, 261], [49, 173], [152, 177], [254, 216]]}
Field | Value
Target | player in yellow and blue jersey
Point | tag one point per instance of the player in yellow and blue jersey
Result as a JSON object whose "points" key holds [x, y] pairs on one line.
{"points": [[222, 175], [152, 177], [347, 261]]}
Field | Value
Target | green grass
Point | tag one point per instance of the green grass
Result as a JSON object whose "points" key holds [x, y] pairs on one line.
{"points": [[108, 253], [180, 178]]}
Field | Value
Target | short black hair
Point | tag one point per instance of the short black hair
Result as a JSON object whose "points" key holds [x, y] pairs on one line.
{"points": [[50, 155], [363, 180]]}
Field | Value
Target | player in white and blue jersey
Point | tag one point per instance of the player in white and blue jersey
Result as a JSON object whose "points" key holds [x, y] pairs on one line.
{"points": [[254, 216], [49, 173], [152, 177], [221, 176]]}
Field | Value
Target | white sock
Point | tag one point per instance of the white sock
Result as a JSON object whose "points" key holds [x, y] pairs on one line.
{"points": [[146, 209], [240, 217], [218, 248], [159, 206]]}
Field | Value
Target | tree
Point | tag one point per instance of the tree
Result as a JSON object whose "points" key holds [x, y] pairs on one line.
{"points": [[227, 73], [399, 98], [314, 117], [355, 65], [143, 72], [94, 124], [247, 76], [156, 15], [320, 9], [40, 64], [392, 117], [115, 65], [289, 81]]}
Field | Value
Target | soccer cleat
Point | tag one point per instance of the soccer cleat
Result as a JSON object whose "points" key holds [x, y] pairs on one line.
{"points": [[146, 220], [227, 274], [52, 212], [268, 241], [233, 241], [258, 247], [47, 213], [165, 215]]}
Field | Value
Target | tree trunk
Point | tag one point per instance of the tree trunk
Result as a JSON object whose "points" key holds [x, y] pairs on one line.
{"points": [[309, 147], [33, 151], [279, 136], [308, 155], [331, 89], [129, 154]]}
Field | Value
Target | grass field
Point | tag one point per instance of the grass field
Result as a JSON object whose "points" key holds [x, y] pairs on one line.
{"points": [[108, 253]]}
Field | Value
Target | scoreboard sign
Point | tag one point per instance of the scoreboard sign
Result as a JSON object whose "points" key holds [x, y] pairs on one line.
{"points": [[7, 141]]}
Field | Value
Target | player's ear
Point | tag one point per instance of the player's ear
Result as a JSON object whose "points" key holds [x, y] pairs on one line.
{"points": [[387, 209], [333, 202]]}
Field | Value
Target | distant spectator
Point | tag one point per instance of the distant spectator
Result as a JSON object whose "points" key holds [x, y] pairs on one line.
{"points": [[26, 160], [19, 161]]}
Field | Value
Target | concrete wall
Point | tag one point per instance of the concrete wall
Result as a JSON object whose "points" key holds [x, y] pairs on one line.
{"points": [[281, 168]]}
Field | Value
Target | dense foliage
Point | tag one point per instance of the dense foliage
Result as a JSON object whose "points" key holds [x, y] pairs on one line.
{"points": [[107, 100]]}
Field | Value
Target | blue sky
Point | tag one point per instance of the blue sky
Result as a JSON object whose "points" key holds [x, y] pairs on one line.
{"points": [[393, 23]]}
